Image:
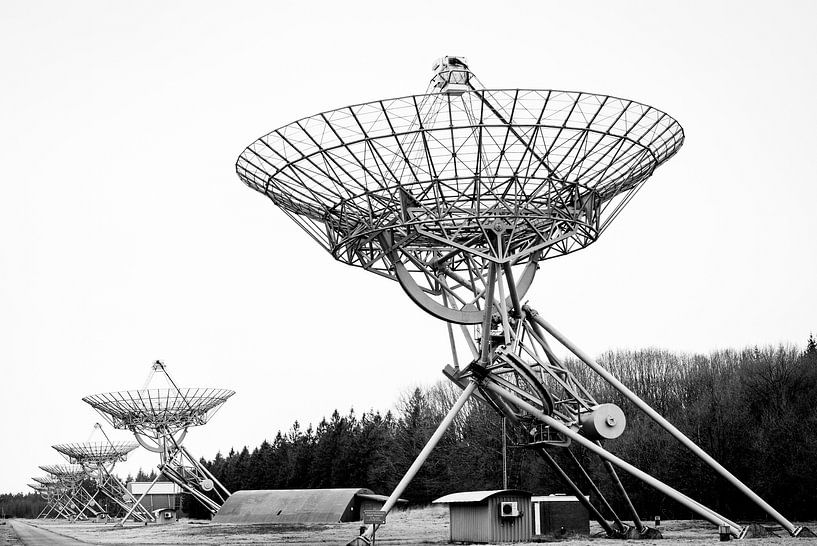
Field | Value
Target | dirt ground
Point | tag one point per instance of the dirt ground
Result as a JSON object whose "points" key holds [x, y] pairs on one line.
{"points": [[415, 526]]}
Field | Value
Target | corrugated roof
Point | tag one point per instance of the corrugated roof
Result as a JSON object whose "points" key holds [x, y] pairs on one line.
{"points": [[477, 496], [289, 505]]}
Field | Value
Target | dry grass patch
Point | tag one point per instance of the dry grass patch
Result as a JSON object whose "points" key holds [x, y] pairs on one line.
{"points": [[428, 525]]}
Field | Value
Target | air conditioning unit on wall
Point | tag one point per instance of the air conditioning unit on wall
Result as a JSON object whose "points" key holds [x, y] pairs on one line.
{"points": [[509, 509]]}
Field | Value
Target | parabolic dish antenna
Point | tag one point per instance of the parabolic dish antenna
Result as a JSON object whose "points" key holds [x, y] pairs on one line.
{"points": [[96, 452], [450, 192], [434, 173], [76, 501], [167, 409], [47, 480], [65, 471], [56, 492], [99, 459], [159, 420]]}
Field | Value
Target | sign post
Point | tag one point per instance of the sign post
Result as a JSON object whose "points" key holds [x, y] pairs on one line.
{"points": [[374, 518]]}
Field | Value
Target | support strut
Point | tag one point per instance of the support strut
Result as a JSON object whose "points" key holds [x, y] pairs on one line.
{"points": [[666, 425], [578, 493], [706, 513], [418, 462]]}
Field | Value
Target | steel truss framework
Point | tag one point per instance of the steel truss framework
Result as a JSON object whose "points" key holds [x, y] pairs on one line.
{"points": [[47, 493], [452, 193], [99, 459], [59, 501], [159, 420], [72, 477]]}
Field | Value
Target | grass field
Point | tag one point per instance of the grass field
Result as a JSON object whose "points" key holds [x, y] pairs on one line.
{"points": [[416, 526]]}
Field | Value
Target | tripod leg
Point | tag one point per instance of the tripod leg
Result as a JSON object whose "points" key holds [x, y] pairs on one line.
{"points": [[421, 458]]}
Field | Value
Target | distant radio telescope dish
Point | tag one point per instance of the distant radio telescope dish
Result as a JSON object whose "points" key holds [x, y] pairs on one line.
{"points": [[159, 420], [99, 459]]}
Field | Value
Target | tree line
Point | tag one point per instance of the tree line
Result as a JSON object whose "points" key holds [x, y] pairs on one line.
{"points": [[751, 409], [20, 505]]}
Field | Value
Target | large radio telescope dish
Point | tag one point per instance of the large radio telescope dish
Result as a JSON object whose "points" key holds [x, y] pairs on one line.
{"points": [[435, 172], [449, 190]]}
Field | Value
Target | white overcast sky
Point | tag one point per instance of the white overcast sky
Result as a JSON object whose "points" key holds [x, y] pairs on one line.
{"points": [[125, 235]]}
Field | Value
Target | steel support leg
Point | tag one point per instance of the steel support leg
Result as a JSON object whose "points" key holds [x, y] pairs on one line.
{"points": [[139, 501], [85, 507], [576, 491], [421, 458], [209, 474], [706, 513], [176, 477], [620, 486], [598, 492], [669, 427]]}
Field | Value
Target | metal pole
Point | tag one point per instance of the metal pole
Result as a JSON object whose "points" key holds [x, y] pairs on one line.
{"points": [[424, 453], [504, 455], [87, 504], [708, 514], [139, 501], [450, 332], [206, 472], [116, 491], [576, 491], [506, 267], [595, 489], [488, 311], [669, 427], [620, 486]]}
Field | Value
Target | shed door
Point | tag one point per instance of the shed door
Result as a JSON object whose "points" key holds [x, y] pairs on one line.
{"points": [[537, 521]]}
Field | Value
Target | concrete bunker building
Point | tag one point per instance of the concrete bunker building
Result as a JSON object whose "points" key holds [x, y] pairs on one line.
{"points": [[299, 505]]}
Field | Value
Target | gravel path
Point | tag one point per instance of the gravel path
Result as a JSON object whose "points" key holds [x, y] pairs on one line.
{"points": [[31, 535]]}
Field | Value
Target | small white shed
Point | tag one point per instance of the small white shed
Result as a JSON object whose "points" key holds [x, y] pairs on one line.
{"points": [[502, 515]]}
